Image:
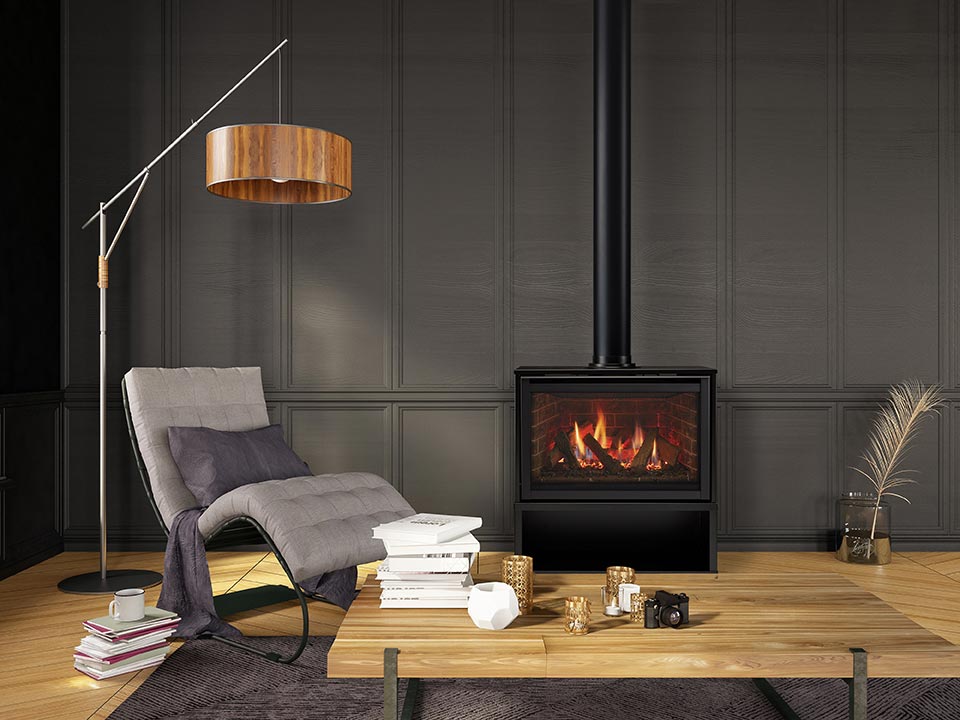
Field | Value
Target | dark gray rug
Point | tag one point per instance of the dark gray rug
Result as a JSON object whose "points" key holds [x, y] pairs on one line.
{"points": [[207, 679]]}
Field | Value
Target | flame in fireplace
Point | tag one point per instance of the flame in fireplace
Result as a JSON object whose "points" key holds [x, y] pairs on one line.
{"points": [[654, 462], [581, 448], [576, 438], [600, 430], [623, 449]]}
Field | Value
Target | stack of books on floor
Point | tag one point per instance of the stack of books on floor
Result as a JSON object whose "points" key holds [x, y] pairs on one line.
{"points": [[113, 648], [428, 561]]}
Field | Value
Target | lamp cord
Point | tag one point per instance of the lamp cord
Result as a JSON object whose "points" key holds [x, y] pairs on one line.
{"points": [[280, 87]]}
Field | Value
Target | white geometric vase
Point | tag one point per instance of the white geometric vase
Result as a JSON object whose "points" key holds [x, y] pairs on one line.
{"points": [[493, 605]]}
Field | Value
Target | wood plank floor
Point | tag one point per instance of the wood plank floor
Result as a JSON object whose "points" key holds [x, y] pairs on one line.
{"points": [[41, 625]]}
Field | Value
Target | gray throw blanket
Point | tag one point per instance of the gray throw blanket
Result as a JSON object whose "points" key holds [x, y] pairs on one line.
{"points": [[186, 582], [339, 586]]}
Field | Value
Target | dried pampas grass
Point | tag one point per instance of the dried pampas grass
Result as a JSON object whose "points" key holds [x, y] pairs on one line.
{"points": [[894, 429]]}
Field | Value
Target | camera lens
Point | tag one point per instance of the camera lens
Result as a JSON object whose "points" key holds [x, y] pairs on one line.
{"points": [[670, 616]]}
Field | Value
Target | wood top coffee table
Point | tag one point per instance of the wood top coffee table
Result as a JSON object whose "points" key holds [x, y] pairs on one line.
{"points": [[742, 625]]}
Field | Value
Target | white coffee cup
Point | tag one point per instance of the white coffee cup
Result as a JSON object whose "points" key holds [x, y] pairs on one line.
{"points": [[127, 605], [626, 590]]}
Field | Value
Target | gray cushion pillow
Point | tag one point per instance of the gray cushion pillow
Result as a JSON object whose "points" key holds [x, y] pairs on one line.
{"points": [[214, 462]]}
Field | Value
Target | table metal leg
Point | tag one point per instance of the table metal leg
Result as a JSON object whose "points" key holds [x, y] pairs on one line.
{"points": [[392, 709], [390, 684], [858, 685], [775, 699], [858, 690], [410, 699]]}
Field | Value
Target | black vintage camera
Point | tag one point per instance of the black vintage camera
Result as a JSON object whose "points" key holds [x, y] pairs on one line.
{"points": [[666, 610]]}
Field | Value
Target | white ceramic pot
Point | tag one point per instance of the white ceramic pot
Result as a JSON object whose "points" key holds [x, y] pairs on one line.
{"points": [[493, 605]]}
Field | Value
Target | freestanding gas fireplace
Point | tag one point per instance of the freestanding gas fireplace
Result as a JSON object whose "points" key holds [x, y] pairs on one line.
{"points": [[616, 468], [615, 463]]}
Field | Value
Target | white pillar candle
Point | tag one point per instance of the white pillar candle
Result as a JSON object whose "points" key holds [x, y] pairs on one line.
{"points": [[626, 590]]}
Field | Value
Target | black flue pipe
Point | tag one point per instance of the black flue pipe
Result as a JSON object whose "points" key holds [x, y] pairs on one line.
{"points": [[611, 183]]}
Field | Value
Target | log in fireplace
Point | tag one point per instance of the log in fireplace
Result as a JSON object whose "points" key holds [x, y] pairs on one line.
{"points": [[616, 464]]}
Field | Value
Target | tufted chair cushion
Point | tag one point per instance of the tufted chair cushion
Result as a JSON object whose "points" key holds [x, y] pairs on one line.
{"points": [[318, 523], [218, 398]]}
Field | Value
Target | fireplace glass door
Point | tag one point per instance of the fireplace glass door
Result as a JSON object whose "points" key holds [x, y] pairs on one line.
{"points": [[617, 440]]}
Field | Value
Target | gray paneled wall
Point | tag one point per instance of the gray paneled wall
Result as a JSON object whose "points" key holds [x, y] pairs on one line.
{"points": [[794, 225], [338, 266], [779, 247]]}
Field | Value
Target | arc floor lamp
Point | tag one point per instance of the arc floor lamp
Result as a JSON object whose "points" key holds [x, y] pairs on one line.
{"points": [[266, 163]]}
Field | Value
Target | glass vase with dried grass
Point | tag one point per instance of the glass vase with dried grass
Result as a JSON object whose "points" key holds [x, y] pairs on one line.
{"points": [[865, 519]]}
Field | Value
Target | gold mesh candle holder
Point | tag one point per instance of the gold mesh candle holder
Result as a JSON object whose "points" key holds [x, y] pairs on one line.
{"points": [[637, 601], [517, 572], [576, 615], [617, 574]]}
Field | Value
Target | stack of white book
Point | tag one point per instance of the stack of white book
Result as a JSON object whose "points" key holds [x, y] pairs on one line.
{"points": [[428, 561], [113, 647]]}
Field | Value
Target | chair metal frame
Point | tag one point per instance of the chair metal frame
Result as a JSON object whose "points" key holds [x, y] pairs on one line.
{"points": [[235, 532]]}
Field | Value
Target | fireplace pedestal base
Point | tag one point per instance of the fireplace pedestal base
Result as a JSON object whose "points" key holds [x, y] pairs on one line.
{"points": [[589, 536]]}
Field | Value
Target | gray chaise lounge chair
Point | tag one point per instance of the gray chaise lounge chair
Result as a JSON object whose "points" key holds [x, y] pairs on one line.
{"points": [[313, 524]]}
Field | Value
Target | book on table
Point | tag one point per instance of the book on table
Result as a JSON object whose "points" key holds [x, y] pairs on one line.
{"points": [[430, 603], [398, 589], [408, 591], [453, 580], [454, 563], [425, 578], [426, 528], [463, 544]]}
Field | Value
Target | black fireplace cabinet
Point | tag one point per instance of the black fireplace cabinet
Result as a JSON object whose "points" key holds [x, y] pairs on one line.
{"points": [[617, 466]]}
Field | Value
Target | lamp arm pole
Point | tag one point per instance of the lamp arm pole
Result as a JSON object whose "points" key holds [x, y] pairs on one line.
{"points": [[182, 135], [123, 223], [103, 283]]}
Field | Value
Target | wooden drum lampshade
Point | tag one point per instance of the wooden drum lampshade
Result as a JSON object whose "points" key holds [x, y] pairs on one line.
{"points": [[279, 163]]}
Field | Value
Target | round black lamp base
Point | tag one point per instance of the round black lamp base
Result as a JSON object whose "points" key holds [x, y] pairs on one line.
{"points": [[93, 584]]}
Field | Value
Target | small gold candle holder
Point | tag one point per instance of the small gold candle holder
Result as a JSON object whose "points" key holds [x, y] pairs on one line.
{"points": [[617, 574], [517, 572], [637, 601], [576, 615]]}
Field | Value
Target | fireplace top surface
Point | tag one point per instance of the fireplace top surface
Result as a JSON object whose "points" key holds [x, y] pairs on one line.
{"points": [[579, 370]]}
